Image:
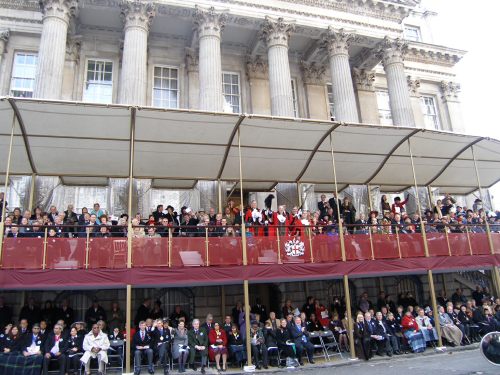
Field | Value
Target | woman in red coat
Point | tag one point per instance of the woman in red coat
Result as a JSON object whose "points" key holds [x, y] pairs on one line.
{"points": [[218, 346]]}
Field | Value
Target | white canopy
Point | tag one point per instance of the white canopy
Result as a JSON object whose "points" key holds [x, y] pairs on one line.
{"points": [[85, 144]]}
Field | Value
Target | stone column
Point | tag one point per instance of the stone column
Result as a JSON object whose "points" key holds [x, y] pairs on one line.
{"points": [[415, 98], [276, 34], [449, 91], [344, 100], [392, 52], [368, 106], [4, 38], [209, 25], [137, 18], [57, 15], [258, 79], [193, 79], [317, 100]]}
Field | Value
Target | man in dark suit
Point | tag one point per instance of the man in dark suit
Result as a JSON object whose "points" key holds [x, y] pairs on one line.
{"points": [[55, 347], [33, 344], [209, 324], [94, 313], [300, 337], [198, 344], [143, 312], [260, 309], [382, 332], [142, 343], [162, 339]]}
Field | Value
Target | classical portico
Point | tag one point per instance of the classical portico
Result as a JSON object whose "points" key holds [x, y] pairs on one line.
{"points": [[57, 15]]}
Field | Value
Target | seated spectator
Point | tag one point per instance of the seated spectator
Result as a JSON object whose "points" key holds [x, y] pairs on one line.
{"points": [[425, 326], [362, 338], [337, 327], [382, 336], [258, 344], [237, 345], [449, 330], [180, 345], [395, 333], [55, 349], [142, 343], [313, 325], [74, 351], [458, 297], [286, 343], [11, 341], [300, 338], [162, 339], [198, 344], [33, 344], [95, 345], [177, 315], [412, 332], [218, 346], [489, 323], [228, 324], [454, 317]]}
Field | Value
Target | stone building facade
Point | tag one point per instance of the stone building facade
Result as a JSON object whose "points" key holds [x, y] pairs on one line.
{"points": [[371, 62]]}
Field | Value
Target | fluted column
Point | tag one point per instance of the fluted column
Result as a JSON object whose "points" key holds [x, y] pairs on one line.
{"points": [[344, 100], [209, 25], [137, 18], [4, 38], [276, 34], [50, 67], [392, 53]]}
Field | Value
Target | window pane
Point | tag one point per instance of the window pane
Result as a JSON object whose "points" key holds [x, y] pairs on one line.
{"points": [[23, 75], [99, 85], [165, 87]]}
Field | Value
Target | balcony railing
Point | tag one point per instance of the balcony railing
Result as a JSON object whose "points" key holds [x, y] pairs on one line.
{"points": [[202, 246]]}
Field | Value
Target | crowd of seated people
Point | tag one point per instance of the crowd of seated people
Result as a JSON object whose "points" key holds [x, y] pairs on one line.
{"points": [[52, 336], [445, 216]]}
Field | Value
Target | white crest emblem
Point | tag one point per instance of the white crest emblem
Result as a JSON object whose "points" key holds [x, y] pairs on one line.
{"points": [[294, 248]]}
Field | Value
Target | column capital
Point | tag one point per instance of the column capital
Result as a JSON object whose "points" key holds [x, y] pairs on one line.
{"points": [[192, 63], [313, 73], [337, 41], [209, 22], [363, 79], [137, 14], [4, 38], [449, 90], [413, 86], [257, 68], [276, 31], [392, 51], [62, 9]]}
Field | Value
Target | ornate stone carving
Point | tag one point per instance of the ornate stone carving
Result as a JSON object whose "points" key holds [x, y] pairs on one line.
{"points": [[337, 41], [413, 86], [392, 50], [276, 31], [435, 55], [363, 79], [450, 90], [313, 73], [191, 60], [63, 9], [73, 47], [4, 38], [209, 21], [257, 68], [136, 13]]}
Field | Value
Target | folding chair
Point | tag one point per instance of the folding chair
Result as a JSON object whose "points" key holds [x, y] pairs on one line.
{"points": [[274, 349], [120, 248], [116, 355], [330, 344], [315, 339]]}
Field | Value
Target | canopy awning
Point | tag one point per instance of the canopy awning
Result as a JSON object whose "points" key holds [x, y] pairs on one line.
{"points": [[89, 143]]}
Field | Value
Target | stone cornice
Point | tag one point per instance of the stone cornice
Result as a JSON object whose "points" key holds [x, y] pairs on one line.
{"points": [[257, 68], [433, 54], [313, 73], [136, 13], [363, 79]]}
